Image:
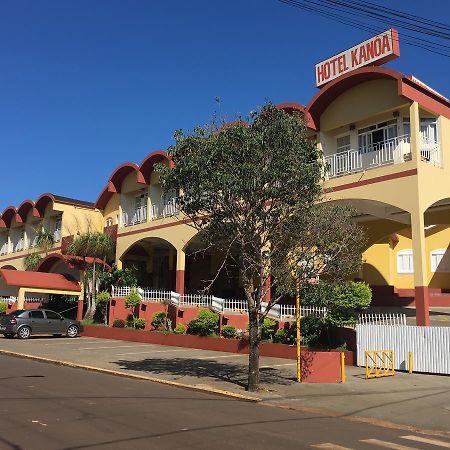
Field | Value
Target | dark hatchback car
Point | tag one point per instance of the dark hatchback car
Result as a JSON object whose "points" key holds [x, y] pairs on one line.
{"points": [[24, 323]]}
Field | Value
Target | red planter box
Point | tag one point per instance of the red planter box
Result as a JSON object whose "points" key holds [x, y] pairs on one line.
{"points": [[317, 365]]}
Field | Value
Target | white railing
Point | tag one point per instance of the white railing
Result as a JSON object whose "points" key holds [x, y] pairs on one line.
{"points": [[138, 216], [18, 246], [430, 152], [33, 242], [165, 209], [223, 305], [4, 249], [57, 235], [196, 300], [382, 319], [391, 151]]}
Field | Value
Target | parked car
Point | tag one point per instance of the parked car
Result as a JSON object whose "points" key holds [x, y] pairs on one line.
{"points": [[24, 323]]}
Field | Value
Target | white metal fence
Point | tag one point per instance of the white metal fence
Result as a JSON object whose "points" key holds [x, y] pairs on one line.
{"points": [[430, 346], [382, 319], [225, 305]]}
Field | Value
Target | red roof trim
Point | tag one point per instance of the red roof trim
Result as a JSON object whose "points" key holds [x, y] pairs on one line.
{"points": [[38, 280], [71, 262], [152, 158], [406, 87]]}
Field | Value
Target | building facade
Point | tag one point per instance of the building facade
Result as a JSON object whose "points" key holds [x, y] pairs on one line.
{"points": [[386, 140]]}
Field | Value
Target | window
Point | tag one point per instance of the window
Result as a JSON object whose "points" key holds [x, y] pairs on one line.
{"points": [[109, 222], [52, 315], [428, 130], [377, 136], [36, 314], [405, 261], [440, 260], [343, 143]]}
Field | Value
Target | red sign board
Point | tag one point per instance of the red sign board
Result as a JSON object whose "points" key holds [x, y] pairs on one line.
{"points": [[376, 50]]}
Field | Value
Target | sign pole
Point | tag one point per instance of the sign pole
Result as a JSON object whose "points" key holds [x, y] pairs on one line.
{"points": [[297, 320]]}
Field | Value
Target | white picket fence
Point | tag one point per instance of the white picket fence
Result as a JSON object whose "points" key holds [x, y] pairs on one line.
{"points": [[430, 346], [283, 313]]}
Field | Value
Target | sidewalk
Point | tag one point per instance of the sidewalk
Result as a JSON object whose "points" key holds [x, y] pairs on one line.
{"points": [[421, 401]]}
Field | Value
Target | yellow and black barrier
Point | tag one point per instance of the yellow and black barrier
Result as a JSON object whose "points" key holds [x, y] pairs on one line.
{"points": [[379, 363]]}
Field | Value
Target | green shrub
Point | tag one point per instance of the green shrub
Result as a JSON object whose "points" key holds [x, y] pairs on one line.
{"points": [[158, 319], [180, 329], [205, 324], [119, 323], [281, 336], [133, 299], [228, 331], [348, 300], [311, 328], [102, 298], [3, 307], [139, 324], [268, 329]]}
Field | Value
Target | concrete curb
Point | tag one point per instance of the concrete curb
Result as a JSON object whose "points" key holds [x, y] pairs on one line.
{"points": [[193, 387]]}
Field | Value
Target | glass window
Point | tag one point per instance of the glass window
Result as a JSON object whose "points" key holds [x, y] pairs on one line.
{"points": [[343, 143], [405, 261], [440, 260], [36, 314], [52, 315]]}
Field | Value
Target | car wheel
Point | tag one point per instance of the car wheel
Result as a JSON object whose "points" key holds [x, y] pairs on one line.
{"points": [[72, 331], [24, 333]]}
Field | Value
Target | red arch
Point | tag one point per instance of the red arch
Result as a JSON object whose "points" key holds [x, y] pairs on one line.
{"points": [[43, 201], [71, 262], [152, 158], [8, 214], [115, 181], [25, 207], [407, 87], [122, 172], [290, 107]]}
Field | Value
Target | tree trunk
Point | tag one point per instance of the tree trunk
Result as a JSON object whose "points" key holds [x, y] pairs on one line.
{"points": [[90, 311], [253, 356]]}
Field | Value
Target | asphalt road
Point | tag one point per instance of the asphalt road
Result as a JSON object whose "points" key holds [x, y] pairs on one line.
{"points": [[44, 406]]}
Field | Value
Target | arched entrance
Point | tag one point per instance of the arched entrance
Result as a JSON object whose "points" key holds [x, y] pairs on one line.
{"points": [[154, 261], [210, 268]]}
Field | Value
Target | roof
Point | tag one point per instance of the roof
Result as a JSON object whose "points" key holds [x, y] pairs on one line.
{"points": [[73, 201], [38, 280], [71, 262]]}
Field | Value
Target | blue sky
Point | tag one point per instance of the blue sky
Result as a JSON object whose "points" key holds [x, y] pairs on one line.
{"points": [[87, 85]]}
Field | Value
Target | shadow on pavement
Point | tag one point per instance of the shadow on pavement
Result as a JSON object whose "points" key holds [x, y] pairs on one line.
{"points": [[181, 367]]}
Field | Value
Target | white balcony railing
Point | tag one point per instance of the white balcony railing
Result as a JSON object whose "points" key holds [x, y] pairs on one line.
{"points": [[391, 151], [164, 209], [137, 216], [4, 249], [57, 235], [18, 246]]}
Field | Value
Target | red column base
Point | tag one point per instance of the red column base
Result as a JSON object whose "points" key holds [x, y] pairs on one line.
{"points": [[422, 306], [179, 282], [80, 310]]}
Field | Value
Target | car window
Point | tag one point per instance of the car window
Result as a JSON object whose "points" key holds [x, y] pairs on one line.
{"points": [[17, 312], [52, 315], [36, 314]]}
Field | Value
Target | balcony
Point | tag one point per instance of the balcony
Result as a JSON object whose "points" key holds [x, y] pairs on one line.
{"points": [[19, 245], [4, 249], [392, 151], [164, 209], [139, 215]]}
